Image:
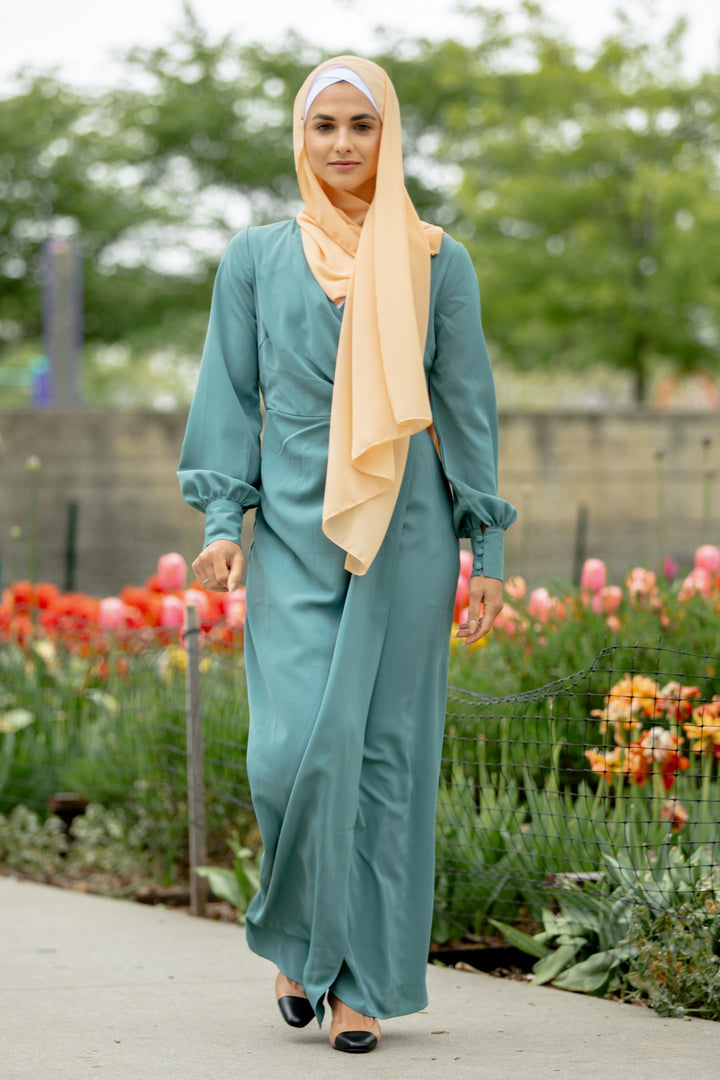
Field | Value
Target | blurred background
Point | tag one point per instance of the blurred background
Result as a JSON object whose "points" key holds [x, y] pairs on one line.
{"points": [[574, 150]]}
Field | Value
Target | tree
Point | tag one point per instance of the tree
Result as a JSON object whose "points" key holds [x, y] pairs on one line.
{"points": [[589, 197]]}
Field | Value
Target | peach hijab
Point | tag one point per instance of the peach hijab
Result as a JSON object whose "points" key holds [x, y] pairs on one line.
{"points": [[377, 256]]}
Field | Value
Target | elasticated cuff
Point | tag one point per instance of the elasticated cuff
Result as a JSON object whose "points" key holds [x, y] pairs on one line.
{"points": [[223, 521], [488, 548]]}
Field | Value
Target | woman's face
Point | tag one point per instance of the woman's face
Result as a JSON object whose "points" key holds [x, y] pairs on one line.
{"points": [[342, 139]]}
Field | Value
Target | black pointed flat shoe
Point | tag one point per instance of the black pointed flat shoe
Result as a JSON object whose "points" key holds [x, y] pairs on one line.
{"points": [[355, 1042], [296, 1011]]}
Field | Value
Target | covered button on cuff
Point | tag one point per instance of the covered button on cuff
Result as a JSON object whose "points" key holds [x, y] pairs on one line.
{"points": [[488, 548]]}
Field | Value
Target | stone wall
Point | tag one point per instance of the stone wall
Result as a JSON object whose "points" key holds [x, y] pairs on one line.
{"points": [[119, 468]]}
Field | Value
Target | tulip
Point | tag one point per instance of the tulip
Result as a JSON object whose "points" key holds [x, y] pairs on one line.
{"points": [[594, 575], [607, 600], [516, 587], [698, 580], [466, 563], [200, 600], [640, 581], [462, 595], [235, 607], [707, 558], [172, 611], [507, 620], [540, 605], [111, 613], [171, 572]]}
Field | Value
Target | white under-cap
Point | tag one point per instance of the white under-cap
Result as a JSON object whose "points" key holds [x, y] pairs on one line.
{"points": [[331, 75]]}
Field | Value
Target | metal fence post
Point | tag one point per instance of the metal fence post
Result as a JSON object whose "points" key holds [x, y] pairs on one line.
{"points": [[195, 762]]}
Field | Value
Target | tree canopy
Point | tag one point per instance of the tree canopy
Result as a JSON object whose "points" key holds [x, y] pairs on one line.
{"points": [[587, 191]]}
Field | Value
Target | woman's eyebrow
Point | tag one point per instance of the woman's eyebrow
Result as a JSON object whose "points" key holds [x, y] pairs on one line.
{"points": [[359, 116]]}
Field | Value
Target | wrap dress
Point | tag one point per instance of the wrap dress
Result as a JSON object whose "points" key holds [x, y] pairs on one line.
{"points": [[346, 674]]}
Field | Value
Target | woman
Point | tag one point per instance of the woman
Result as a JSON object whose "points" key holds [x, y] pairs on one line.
{"points": [[360, 326]]}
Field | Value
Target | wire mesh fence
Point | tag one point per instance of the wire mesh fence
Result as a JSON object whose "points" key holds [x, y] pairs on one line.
{"points": [[605, 778]]}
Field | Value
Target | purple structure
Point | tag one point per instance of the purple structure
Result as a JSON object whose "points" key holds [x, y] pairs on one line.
{"points": [[41, 381], [62, 317]]}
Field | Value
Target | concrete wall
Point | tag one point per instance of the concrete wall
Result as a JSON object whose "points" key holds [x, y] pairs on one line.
{"points": [[119, 467]]}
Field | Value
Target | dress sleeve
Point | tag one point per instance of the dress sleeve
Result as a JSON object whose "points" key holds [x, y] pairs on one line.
{"points": [[219, 468], [462, 394]]}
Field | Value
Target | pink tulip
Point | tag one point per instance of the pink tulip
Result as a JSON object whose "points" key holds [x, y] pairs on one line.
{"points": [[698, 580], [613, 624], [670, 568], [200, 600], [707, 558], [594, 575], [462, 594], [235, 607], [516, 587], [111, 613], [171, 572], [466, 563], [172, 611], [508, 620], [640, 581], [608, 600], [541, 605]]}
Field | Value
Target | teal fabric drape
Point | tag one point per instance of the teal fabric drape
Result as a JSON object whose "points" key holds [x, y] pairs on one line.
{"points": [[346, 675]]}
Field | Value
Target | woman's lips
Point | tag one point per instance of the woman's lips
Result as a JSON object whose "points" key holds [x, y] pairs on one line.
{"points": [[344, 166]]}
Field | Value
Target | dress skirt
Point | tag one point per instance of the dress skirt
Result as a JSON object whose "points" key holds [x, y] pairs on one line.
{"points": [[347, 683]]}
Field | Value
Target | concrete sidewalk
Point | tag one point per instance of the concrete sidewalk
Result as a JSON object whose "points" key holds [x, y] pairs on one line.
{"points": [[91, 987]]}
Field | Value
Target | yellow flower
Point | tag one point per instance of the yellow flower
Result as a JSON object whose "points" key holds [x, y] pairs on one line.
{"points": [[606, 762], [634, 696], [706, 727]]}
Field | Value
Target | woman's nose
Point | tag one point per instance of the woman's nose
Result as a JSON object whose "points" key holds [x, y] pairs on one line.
{"points": [[343, 140]]}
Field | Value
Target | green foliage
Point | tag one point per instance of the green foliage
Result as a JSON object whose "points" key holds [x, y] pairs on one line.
{"points": [[677, 961], [115, 732], [30, 845], [650, 925], [119, 842], [239, 885]]}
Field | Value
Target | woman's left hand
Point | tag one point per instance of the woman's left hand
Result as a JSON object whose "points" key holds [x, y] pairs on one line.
{"points": [[484, 605]]}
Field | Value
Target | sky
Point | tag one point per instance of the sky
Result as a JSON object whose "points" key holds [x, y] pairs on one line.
{"points": [[80, 38]]}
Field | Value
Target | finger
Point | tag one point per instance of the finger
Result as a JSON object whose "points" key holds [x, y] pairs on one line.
{"points": [[219, 573], [201, 571], [236, 570], [471, 625], [485, 625]]}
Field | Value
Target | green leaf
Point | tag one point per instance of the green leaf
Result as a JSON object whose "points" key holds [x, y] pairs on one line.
{"points": [[223, 883], [545, 970], [520, 940], [589, 975]]}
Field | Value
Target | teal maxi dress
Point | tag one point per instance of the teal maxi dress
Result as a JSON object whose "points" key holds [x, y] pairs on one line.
{"points": [[346, 675]]}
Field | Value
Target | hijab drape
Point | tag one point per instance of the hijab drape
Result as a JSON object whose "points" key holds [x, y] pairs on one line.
{"points": [[377, 256]]}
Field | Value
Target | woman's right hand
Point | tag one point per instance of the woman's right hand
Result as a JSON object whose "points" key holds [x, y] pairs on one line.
{"points": [[220, 566]]}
